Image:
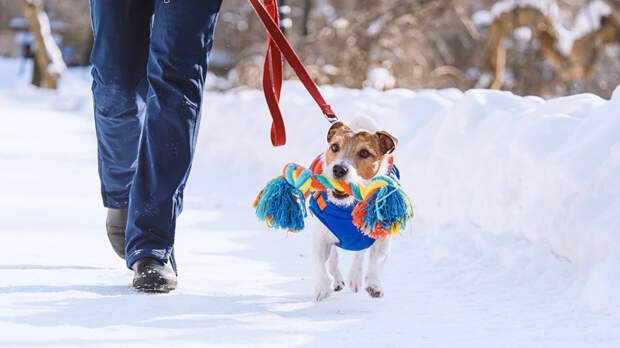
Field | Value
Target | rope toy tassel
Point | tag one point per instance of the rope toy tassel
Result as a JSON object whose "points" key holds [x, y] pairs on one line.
{"points": [[384, 211], [383, 208], [281, 205]]}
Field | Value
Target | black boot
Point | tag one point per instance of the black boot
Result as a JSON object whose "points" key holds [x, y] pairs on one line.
{"points": [[115, 225], [151, 275]]}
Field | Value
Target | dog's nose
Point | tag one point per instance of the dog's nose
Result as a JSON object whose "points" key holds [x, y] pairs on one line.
{"points": [[340, 171]]}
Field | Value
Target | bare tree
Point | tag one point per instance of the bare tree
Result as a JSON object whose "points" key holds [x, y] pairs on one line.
{"points": [[575, 66]]}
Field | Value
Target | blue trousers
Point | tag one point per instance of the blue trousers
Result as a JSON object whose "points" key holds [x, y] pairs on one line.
{"points": [[149, 63]]}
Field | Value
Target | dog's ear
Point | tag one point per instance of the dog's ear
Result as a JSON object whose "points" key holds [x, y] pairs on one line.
{"points": [[332, 130], [387, 143]]}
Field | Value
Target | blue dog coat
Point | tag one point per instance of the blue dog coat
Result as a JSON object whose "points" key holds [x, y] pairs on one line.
{"points": [[339, 221]]}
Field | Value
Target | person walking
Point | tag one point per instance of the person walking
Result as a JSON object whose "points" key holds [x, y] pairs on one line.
{"points": [[149, 64]]}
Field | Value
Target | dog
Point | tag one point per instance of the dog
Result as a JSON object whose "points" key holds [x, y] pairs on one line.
{"points": [[356, 153]]}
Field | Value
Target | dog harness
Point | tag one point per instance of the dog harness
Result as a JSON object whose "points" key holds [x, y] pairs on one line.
{"points": [[338, 218]]}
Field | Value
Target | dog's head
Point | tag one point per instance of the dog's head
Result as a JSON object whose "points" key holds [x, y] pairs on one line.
{"points": [[356, 153]]}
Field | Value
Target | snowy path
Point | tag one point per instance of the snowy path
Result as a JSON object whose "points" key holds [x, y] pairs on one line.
{"points": [[62, 286]]}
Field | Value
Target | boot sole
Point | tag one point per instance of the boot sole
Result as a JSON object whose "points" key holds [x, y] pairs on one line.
{"points": [[154, 290], [159, 285]]}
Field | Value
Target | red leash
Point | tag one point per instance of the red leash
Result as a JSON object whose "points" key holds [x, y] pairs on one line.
{"points": [[277, 46]]}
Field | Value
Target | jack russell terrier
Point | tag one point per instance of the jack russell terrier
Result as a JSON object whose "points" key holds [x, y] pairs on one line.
{"points": [[356, 154]]}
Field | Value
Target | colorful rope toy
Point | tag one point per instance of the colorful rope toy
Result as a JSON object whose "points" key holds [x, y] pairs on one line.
{"points": [[383, 208]]}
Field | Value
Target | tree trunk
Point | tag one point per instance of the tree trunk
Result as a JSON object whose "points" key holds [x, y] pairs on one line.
{"points": [[48, 63], [306, 17]]}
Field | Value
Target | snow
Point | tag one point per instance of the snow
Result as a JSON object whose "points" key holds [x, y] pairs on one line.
{"points": [[341, 23], [56, 64], [516, 239], [482, 18], [523, 34], [326, 9], [589, 18], [548, 7], [378, 24], [599, 290], [380, 78]]}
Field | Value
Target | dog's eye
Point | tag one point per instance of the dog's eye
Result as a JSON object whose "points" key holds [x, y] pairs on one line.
{"points": [[364, 153], [335, 147]]}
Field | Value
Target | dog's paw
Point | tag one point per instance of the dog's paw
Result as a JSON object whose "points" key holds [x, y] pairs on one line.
{"points": [[338, 285], [321, 293], [355, 282], [374, 291], [355, 285]]}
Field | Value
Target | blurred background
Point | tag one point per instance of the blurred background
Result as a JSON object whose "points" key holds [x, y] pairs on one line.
{"points": [[530, 47]]}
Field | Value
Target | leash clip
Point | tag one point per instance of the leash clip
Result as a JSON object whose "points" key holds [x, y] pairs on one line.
{"points": [[331, 119], [329, 114]]}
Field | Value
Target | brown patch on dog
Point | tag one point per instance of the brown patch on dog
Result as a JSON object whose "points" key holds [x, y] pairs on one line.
{"points": [[386, 141], [336, 128], [366, 154], [338, 134], [364, 150]]}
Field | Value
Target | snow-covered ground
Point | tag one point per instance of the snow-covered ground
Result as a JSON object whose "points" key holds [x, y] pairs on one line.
{"points": [[515, 243]]}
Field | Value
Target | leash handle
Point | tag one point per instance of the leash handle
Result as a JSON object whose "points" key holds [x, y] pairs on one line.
{"points": [[277, 47]]}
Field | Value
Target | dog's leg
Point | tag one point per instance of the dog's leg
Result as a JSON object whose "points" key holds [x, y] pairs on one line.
{"points": [[323, 242], [378, 254], [355, 273], [332, 263]]}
